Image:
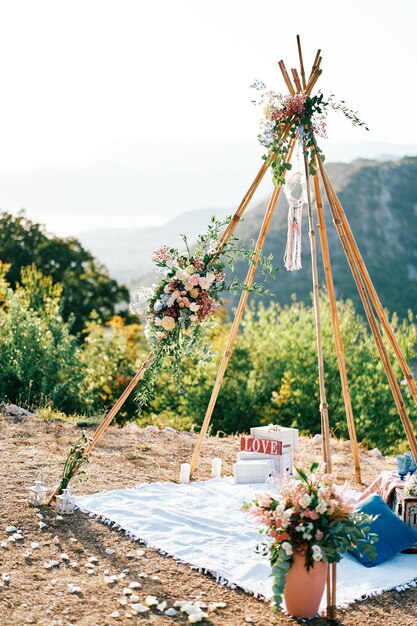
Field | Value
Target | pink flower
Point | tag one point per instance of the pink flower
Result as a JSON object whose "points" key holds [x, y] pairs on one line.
{"points": [[162, 254], [264, 499]]}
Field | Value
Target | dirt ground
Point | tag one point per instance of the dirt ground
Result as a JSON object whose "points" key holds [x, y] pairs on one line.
{"points": [[32, 449]]}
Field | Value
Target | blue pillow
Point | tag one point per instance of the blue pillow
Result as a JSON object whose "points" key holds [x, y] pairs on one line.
{"points": [[393, 534]]}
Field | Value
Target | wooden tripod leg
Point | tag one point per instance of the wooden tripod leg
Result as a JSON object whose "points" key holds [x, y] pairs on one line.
{"points": [[374, 297], [316, 300], [229, 230], [340, 355], [396, 392], [236, 322]]}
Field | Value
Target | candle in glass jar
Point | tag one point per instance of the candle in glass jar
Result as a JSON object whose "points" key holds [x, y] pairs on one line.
{"points": [[185, 473], [216, 467]]}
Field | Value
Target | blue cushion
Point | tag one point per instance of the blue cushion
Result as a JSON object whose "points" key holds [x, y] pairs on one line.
{"points": [[393, 534]]}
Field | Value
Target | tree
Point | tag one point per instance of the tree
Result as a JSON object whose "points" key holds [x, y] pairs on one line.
{"points": [[86, 284]]}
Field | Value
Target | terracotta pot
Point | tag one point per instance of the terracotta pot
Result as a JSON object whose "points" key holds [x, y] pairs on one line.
{"points": [[304, 589]]}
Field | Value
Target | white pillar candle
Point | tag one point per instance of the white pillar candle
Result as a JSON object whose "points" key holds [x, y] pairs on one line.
{"points": [[216, 468], [185, 473]]}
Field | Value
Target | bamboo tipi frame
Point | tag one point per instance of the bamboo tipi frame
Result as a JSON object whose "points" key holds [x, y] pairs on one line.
{"points": [[369, 297]]}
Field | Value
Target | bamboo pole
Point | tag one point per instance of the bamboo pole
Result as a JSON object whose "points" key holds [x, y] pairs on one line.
{"points": [[313, 79], [375, 299], [382, 351], [296, 79], [316, 300], [300, 56], [286, 77], [236, 322], [315, 62], [340, 355]]}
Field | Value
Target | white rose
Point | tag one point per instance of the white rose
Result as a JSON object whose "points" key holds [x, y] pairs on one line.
{"points": [[305, 500], [190, 269], [194, 307], [204, 283], [182, 275], [321, 507], [168, 322], [211, 277], [194, 318], [157, 321], [287, 547]]}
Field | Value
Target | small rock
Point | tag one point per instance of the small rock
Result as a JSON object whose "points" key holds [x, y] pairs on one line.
{"points": [[135, 585], [115, 614], [64, 557], [39, 515], [168, 429], [154, 429], [217, 605], [17, 536], [59, 518], [131, 554], [134, 598], [126, 591], [51, 564], [317, 439], [55, 540], [73, 589], [109, 551], [139, 608], [180, 603], [194, 618], [111, 580], [5, 578], [156, 578], [90, 572], [41, 525], [11, 529], [161, 606], [248, 620], [93, 559], [377, 454], [170, 612], [11, 539], [151, 601], [122, 601], [131, 428], [4, 545], [34, 545], [89, 565], [27, 555], [143, 575], [74, 539], [74, 564], [140, 552]]}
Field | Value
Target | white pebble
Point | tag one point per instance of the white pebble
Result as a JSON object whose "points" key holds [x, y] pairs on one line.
{"points": [[143, 575], [89, 565], [140, 552], [4, 545], [122, 601], [194, 618], [5, 577], [249, 620], [11, 529], [170, 612], [111, 580], [179, 603], [11, 540], [109, 551], [151, 601], [135, 585], [41, 525], [217, 605], [51, 564], [139, 608], [161, 606], [27, 555], [90, 572], [115, 614], [74, 540], [130, 554], [73, 589], [64, 557], [127, 591], [93, 559], [134, 598], [56, 540], [156, 578], [74, 563], [39, 515], [59, 518], [34, 545], [17, 536]]}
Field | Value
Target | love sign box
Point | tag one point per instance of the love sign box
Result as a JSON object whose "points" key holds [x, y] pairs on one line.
{"points": [[265, 446]]}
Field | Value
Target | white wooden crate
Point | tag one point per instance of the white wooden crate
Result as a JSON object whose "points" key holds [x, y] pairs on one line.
{"points": [[282, 433], [282, 462], [256, 471]]}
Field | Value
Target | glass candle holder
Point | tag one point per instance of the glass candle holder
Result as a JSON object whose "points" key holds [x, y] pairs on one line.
{"points": [[403, 465], [413, 465]]}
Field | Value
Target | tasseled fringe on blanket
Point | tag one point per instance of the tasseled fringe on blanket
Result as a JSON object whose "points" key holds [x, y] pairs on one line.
{"points": [[224, 581]]}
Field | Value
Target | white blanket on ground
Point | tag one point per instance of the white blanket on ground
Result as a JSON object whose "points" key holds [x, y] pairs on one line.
{"points": [[202, 524]]}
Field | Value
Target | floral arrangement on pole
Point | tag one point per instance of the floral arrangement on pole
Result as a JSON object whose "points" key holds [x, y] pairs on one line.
{"points": [[179, 309], [286, 116], [310, 516]]}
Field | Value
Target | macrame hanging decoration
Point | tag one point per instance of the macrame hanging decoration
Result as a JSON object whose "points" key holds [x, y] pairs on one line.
{"points": [[296, 194]]}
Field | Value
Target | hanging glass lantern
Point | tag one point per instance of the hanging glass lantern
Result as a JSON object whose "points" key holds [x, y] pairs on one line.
{"points": [[65, 503], [37, 494]]}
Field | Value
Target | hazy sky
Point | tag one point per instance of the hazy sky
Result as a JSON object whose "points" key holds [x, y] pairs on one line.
{"points": [[89, 81]]}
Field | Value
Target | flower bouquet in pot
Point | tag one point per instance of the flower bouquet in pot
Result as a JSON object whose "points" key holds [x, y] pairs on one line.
{"points": [[310, 523]]}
